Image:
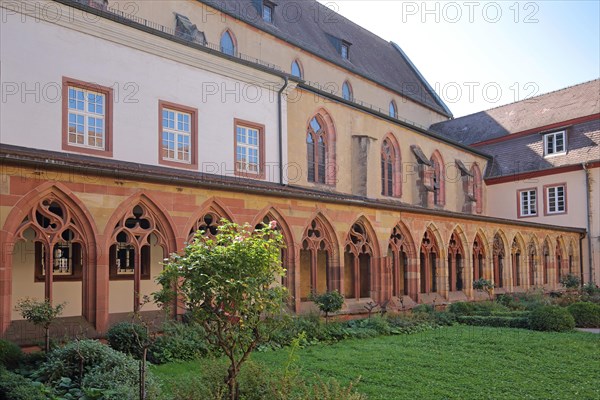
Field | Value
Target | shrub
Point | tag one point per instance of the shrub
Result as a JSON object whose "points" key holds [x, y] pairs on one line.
{"points": [[484, 285], [586, 314], [442, 318], [88, 365], [494, 321], [570, 281], [423, 308], [179, 342], [591, 289], [329, 302], [461, 308], [551, 318], [127, 338], [16, 387], [10, 354], [40, 313]]}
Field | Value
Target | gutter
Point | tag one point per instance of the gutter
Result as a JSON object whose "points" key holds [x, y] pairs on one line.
{"points": [[589, 217], [280, 127]]}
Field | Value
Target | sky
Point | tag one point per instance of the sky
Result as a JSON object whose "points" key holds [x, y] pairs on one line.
{"points": [[479, 55]]}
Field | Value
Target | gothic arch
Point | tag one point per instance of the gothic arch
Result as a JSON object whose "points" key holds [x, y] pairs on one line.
{"points": [[395, 175], [500, 254], [206, 218], [533, 261], [361, 256], [518, 261], [401, 263], [326, 121], [481, 252], [23, 215], [457, 273], [430, 265]]}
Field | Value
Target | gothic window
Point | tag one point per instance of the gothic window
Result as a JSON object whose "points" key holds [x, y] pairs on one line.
{"points": [[429, 263], [398, 250], [478, 259], [316, 148], [456, 258], [499, 256], [357, 263], [315, 261], [516, 262]]}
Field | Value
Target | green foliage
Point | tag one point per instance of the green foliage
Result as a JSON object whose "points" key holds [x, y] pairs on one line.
{"points": [[443, 318], [586, 314], [40, 313], [423, 308], [551, 318], [462, 308], [495, 321], [16, 387], [524, 301], [10, 354], [227, 285], [570, 281], [127, 338], [88, 366], [179, 342], [484, 285], [591, 289], [328, 302]]}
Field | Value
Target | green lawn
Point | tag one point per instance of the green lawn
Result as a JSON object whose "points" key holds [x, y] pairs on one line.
{"points": [[456, 362]]}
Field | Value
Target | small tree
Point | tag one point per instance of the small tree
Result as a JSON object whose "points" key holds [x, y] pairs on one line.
{"points": [[328, 302], [484, 285], [228, 286], [40, 313]]}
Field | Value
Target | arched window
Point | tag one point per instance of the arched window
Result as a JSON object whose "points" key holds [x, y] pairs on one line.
{"points": [[208, 224], [571, 259], [388, 159], [357, 263], [393, 109], [532, 253], [478, 259], [227, 43], [499, 256], [516, 262], [316, 149], [437, 182], [316, 254], [347, 91], [456, 256], [429, 263], [400, 250], [296, 69], [546, 263], [559, 260]]}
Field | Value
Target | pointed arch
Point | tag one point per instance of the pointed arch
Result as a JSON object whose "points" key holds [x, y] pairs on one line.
{"points": [[289, 251], [401, 261], [321, 148], [561, 259], [430, 255], [207, 218], [546, 255], [499, 254], [38, 210], [137, 225], [296, 69], [318, 253], [533, 257], [457, 278], [573, 257], [391, 166], [361, 251], [518, 256], [479, 256], [228, 42], [347, 92], [393, 111], [438, 179]]}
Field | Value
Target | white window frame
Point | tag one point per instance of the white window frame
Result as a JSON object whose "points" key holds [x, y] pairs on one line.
{"points": [[550, 139], [244, 148], [179, 136], [528, 202], [87, 115], [556, 199]]}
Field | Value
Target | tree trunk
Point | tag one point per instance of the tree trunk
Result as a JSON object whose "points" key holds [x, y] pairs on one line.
{"points": [[47, 340], [143, 374], [232, 383]]}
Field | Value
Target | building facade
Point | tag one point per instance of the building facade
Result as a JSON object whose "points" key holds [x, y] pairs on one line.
{"points": [[132, 129]]}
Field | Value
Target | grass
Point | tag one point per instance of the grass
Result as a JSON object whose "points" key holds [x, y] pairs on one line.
{"points": [[456, 362]]}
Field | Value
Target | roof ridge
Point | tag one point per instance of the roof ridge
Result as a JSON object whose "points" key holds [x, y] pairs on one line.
{"points": [[534, 97]]}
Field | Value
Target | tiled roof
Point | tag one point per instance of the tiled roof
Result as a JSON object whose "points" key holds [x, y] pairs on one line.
{"points": [[562, 105], [318, 30]]}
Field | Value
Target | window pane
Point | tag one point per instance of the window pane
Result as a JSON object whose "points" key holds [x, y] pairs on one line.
{"points": [[296, 70], [346, 91], [227, 46], [392, 110]]}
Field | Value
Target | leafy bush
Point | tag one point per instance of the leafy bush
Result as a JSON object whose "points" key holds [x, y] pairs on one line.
{"points": [[329, 302], [484, 285], [461, 308], [127, 338], [551, 318], [423, 308], [495, 321], [16, 387], [10, 354], [586, 314], [591, 288], [179, 342], [91, 366], [570, 281], [442, 318]]}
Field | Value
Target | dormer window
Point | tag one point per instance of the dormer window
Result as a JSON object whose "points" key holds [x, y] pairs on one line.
{"points": [[554, 143], [267, 13], [345, 51]]}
